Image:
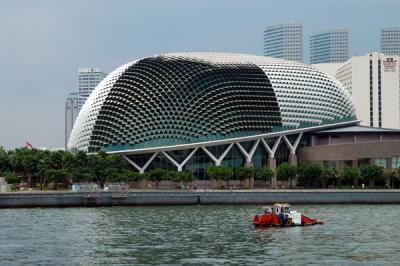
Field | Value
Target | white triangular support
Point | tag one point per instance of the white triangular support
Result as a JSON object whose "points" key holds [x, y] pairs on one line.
{"points": [[271, 152], [141, 169], [171, 159], [188, 158], [250, 154], [218, 160], [180, 166], [293, 146]]}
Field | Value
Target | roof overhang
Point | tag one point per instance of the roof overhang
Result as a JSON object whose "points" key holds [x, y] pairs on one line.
{"points": [[233, 140], [356, 129]]}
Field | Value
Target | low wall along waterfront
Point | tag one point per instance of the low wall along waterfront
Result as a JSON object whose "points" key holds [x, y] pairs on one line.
{"points": [[143, 198]]}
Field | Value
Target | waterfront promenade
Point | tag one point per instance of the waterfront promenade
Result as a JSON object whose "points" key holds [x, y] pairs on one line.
{"points": [[176, 197]]}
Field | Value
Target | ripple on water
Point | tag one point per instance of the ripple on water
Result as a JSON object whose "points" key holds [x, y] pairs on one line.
{"points": [[202, 235]]}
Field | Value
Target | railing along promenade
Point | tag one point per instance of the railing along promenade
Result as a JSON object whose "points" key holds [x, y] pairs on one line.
{"points": [[204, 197]]}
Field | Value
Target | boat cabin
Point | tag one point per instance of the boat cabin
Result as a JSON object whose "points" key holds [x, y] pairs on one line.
{"points": [[277, 208]]}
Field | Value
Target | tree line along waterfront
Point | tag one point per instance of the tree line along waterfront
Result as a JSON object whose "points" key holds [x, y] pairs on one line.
{"points": [[43, 169]]}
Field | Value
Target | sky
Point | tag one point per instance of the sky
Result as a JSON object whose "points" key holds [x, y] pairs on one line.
{"points": [[43, 43]]}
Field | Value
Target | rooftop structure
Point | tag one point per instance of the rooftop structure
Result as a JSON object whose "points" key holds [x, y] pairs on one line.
{"points": [[71, 113], [88, 78], [284, 41], [373, 80], [190, 110], [390, 40], [331, 46]]}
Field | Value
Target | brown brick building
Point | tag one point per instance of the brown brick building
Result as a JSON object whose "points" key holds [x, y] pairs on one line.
{"points": [[352, 145]]}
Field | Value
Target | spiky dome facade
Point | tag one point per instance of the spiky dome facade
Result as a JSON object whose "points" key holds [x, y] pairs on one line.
{"points": [[180, 98]]}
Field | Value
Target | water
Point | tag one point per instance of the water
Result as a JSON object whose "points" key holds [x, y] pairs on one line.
{"points": [[202, 235]]}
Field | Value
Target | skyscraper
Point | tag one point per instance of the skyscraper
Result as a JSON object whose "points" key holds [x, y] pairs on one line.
{"points": [[71, 112], [331, 46], [88, 80], [390, 40], [284, 41], [373, 80]]}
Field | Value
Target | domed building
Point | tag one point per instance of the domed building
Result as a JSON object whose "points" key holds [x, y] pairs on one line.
{"points": [[188, 111]]}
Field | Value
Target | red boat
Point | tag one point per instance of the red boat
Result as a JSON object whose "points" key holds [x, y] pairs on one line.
{"points": [[280, 215]]}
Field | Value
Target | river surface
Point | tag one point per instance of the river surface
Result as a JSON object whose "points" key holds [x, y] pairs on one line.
{"points": [[198, 235]]}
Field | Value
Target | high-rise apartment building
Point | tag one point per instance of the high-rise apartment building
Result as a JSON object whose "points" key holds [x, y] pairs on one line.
{"points": [[284, 41], [373, 80], [390, 40], [88, 78], [71, 112], [331, 46]]}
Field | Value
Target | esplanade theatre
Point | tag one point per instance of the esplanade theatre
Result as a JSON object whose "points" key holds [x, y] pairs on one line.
{"points": [[189, 111]]}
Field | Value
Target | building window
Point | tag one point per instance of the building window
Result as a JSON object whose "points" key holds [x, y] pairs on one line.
{"points": [[363, 161], [371, 115], [347, 163], [380, 162], [379, 94], [330, 164], [396, 162]]}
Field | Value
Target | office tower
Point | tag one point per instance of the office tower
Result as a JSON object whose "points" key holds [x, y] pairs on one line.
{"points": [[71, 112], [373, 80], [390, 40], [88, 80], [284, 41], [331, 46]]}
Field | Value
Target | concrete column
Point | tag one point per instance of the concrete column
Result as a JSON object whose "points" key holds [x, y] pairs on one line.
{"points": [[354, 163], [271, 163], [388, 183], [389, 163], [372, 161], [338, 180], [248, 164], [249, 183], [293, 159], [338, 166], [312, 140], [388, 169], [252, 182]]}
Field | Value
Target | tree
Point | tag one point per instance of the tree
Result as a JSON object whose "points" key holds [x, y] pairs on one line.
{"points": [[184, 177], [55, 175], [25, 161], [286, 172], [309, 174], [131, 176], [389, 176], [329, 174], [244, 173], [265, 173], [101, 166], [34, 164], [68, 160], [81, 159], [43, 165], [81, 174], [349, 173], [371, 173], [10, 178], [4, 161], [220, 172], [174, 177], [157, 175]]}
